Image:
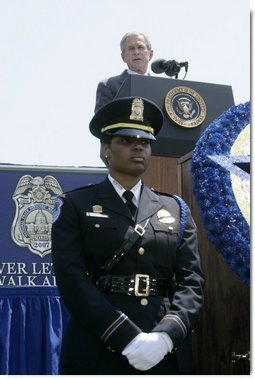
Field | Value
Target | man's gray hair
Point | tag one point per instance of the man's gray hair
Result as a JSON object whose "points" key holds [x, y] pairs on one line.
{"points": [[124, 38]]}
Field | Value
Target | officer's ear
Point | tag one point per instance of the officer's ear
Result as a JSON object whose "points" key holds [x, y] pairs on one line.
{"points": [[105, 151]]}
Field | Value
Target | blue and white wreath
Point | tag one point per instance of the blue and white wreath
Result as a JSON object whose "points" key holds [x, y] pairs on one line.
{"points": [[221, 185]]}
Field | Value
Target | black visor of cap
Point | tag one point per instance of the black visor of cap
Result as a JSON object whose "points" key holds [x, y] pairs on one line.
{"points": [[131, 132]]}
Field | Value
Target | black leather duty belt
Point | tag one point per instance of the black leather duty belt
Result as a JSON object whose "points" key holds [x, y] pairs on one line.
{"points": [[139, 285]]}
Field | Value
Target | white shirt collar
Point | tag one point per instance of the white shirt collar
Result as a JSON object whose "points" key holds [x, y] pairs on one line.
{"points": [[134, 72], [120, 189]]}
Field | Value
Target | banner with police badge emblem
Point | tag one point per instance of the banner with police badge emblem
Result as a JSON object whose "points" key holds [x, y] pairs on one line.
{"points": [[33, 316], [27, 198], [34, 198]]}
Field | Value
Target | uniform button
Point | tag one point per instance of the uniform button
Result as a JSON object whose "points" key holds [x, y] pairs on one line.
{"points": [[97, 225], [141, 251], [144, 302]]}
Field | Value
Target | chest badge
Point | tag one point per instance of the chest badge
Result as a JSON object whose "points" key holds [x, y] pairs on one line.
{"points": [[97, 211], [165, 217]]}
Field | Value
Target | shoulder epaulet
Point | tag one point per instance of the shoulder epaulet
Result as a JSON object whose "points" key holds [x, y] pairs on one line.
{"points": [[58, 203], [160, 192], [183, 213], [80, 188]]}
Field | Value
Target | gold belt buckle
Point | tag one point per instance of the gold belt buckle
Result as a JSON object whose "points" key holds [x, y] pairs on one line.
{"points": [[145, 278]]}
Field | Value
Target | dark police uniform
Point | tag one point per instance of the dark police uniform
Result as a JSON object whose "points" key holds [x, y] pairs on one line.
{"points": [[121, 275], [103, 321]]}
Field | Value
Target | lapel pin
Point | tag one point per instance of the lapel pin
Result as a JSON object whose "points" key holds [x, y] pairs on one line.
{"points": [[97, 209]]}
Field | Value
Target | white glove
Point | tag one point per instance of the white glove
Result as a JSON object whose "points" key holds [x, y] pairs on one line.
{"points": [[147, 350], [133, 344]]}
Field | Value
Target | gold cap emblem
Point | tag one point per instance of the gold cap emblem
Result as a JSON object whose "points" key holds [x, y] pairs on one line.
{"points": [[137, 109]]}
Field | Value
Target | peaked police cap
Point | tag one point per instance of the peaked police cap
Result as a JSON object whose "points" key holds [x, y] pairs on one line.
{"points": [[131, 116]]}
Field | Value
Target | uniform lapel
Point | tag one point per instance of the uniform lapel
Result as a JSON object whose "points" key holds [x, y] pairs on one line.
{"points": [[108, 198], [149, 204]]}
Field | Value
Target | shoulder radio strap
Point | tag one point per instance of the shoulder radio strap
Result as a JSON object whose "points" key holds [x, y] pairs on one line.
{"points": [[183, 218], [128, 243], [139, 231]]}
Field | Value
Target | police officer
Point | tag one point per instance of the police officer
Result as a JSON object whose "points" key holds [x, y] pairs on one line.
{"points": [[126, 259]]}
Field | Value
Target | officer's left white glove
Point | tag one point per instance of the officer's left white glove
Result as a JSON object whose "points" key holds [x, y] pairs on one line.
{"points": [[147, 350], [134, 343]]}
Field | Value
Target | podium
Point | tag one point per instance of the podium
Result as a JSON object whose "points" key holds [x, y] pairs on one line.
{"points": [[173, 139]]}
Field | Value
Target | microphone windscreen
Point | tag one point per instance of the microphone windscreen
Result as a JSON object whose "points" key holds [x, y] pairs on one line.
{"points": [[158, 66]]}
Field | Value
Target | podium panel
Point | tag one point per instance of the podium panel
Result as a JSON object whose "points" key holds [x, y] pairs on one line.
{"points": [[174, 139], [224, 323]]}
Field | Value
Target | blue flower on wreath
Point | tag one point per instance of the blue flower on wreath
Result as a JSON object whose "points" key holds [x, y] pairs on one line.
{"points": [[221, 184]]}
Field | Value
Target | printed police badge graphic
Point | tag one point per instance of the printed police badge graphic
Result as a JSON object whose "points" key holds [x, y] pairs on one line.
{"points": [[34, 199], [185, 107]]}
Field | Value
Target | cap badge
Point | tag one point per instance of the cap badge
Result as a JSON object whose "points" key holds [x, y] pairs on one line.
{"points": [[137, 109]]}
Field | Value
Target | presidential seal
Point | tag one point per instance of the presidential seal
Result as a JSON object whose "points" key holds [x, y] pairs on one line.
{"points": [[34, 199], [185, 107]]}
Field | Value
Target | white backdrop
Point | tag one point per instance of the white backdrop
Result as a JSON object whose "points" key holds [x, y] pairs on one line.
{"points": [[54, 52]]}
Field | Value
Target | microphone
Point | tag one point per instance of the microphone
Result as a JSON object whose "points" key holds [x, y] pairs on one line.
{"points": [[171, 68], [160, 66]]}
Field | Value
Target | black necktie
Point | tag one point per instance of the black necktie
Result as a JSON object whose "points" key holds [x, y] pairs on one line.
{"points": [[128, 195]]}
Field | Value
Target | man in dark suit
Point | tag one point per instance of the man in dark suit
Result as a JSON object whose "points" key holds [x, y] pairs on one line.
{"points": [[126, 259], [136, 52]]}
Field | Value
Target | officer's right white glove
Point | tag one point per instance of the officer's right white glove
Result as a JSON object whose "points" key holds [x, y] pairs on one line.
{"points": [[147, 350]]}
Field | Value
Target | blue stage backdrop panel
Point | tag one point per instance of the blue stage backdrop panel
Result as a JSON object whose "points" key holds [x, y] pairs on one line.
{"points": [[32, 315]]}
